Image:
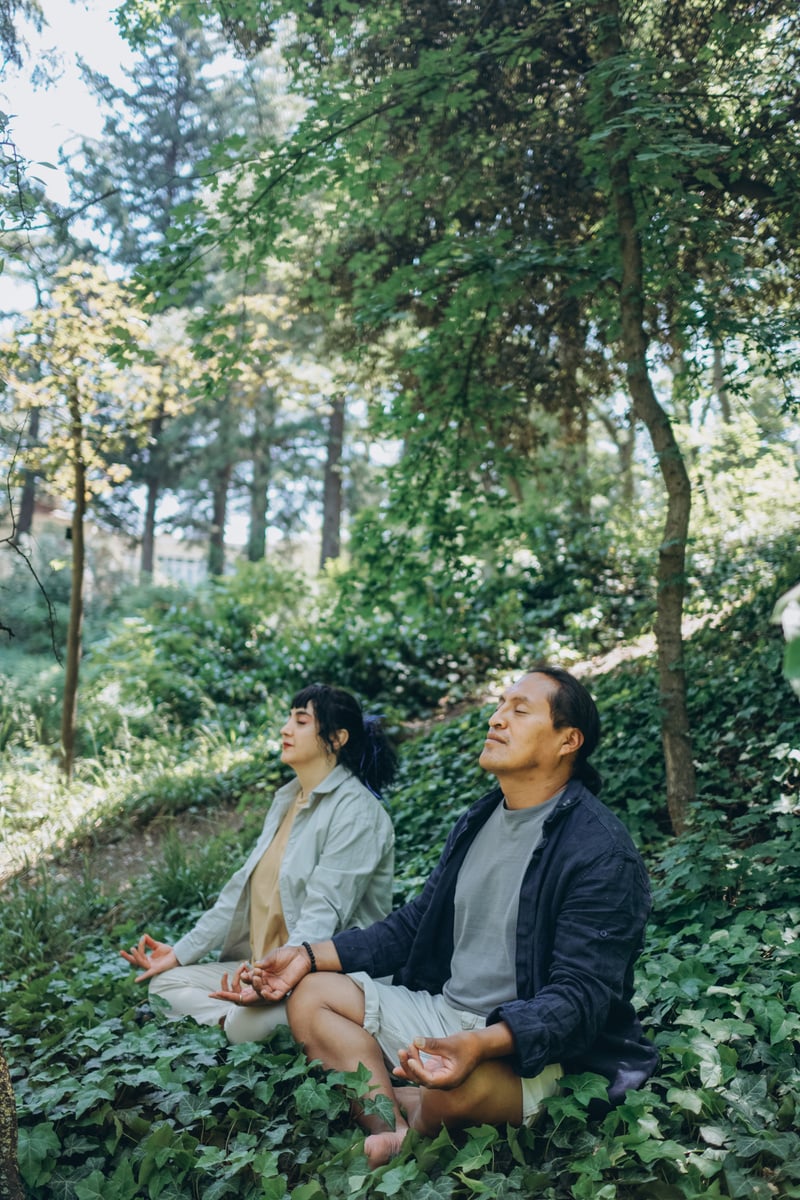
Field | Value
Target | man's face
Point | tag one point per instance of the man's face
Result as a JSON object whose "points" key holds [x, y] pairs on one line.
{"points": [[521, 738]]}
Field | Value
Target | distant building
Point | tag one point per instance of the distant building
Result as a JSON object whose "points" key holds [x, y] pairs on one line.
{"points": [[112, 558]]}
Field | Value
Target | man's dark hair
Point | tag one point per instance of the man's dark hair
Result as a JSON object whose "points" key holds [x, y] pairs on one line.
{"points": [[367, 751], [572, 704]]}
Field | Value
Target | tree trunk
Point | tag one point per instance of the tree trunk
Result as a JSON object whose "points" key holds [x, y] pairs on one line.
{"points": [[219, 516], [259, 497], [149, 531], [10, 1185], [25, 517], [69, 711], [147, 561], [719, 385], [574, 407], [625, 448], [671, 572], [624, 440], [332, 489]]}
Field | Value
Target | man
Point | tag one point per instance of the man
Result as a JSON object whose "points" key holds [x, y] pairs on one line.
{"points": [[513, 965]]}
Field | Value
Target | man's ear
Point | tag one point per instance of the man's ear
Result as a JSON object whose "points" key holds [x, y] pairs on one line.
{"points": [[573, 739]]}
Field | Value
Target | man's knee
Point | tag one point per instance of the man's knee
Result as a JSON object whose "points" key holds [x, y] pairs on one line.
{"points": [[323, 993]]}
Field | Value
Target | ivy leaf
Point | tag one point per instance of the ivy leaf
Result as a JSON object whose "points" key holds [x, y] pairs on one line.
{"points": [[714, 1135], [743, 1184], [274, 1189], [37, 1150], [312, 1096], [435, 1152], [91, 1093], [487, 1185], [478, 1150], [308, 1191], [709, 1064], [381, 1106], [654, 1150], [748, 1092], [123, 1182], [193, 1108], [440, 1188], [94, 1187], [586, 1087], [690, 1101], [396, 1177]]}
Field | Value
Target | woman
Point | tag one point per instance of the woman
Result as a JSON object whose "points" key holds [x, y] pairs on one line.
{"points": [[324, 862]]}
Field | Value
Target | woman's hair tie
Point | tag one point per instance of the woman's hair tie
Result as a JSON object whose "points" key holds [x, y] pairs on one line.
{"points": [[369, 767]]}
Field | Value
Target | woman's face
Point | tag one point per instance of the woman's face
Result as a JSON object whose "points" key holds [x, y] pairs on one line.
{"points": [[301, 745]]}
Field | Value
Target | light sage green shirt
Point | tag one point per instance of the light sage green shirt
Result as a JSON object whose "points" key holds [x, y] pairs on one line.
{"points": [[337, 871]]}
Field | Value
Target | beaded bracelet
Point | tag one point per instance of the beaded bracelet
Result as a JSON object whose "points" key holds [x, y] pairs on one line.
{"points": [[311, 956]]}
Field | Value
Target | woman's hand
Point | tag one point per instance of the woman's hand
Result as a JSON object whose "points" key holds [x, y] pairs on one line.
{"points": [[161, 957], [239, 990]]}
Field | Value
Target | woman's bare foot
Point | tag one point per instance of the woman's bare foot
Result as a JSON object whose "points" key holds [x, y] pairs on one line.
{"points": [[381, 1147]]}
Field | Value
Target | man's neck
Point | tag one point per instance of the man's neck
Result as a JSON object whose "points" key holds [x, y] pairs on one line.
{"points": [[532, 790]]}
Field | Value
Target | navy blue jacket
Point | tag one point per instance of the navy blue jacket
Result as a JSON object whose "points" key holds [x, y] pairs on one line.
{"points": [[584, 902]]}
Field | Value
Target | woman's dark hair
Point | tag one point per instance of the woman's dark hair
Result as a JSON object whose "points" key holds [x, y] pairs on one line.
{"points": [[367, 751], [572, 704]]}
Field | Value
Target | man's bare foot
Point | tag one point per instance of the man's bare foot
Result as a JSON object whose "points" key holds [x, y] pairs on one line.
{"points": [[408, 1100], [381, 1147]]}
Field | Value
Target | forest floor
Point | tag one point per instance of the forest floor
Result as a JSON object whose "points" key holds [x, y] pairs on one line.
{"points": [[107, 862]]}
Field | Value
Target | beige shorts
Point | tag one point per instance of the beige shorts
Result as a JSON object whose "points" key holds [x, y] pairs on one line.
{"points": [[395, 1016]]}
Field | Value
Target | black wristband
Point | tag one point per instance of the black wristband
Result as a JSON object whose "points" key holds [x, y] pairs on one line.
{"points": [[311, 956]]}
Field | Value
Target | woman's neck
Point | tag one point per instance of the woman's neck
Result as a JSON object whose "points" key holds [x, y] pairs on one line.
{"points": [[312, 774]]}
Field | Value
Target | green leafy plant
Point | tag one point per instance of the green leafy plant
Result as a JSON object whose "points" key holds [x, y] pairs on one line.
{"points": [[111, 1096]]}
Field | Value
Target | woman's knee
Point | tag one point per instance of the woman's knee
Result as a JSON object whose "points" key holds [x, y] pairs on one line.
{"points": [[158, 984], [256, 1024]]}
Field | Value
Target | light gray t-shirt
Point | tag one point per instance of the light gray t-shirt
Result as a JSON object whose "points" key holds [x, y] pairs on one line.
{"points": [[483, 972]]}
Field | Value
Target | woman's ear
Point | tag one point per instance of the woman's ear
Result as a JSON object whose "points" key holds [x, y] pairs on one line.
{"points": [[340, 739]]}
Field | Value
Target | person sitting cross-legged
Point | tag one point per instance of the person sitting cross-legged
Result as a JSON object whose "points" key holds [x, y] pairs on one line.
{"points": [[513, 965], [324, 861]]}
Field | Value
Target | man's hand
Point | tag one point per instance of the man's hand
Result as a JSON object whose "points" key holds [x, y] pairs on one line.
{"points": [[275, 976], [161, 957], [440, 1062], [239, 990]]}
